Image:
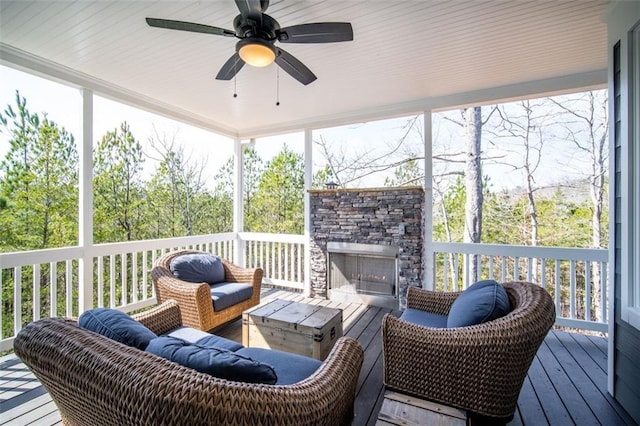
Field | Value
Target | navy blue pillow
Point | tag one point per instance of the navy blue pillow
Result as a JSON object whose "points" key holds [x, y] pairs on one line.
{"points": [[198, 268], [219, 363], [118, 326], [481, 302]]}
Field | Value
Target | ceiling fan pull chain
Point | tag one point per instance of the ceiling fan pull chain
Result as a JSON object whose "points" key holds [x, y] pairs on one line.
{"points": [[277, 85], [235, 87]]}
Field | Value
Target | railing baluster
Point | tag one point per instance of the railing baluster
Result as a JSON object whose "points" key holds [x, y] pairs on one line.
{"points": [[604, 278], [299, 277], [123, 278], [145, 274], [17, 299], [529, 269], [543, 272], [516, 268], [53, 289], [557, 292], [69, 288], [572, 286], [100, 281], [587, 291], [134, 276], [287, 261], [112, 281], [36, 292]]}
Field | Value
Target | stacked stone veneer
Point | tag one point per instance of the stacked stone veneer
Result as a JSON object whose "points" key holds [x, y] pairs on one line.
{"points": [[368, 216]]}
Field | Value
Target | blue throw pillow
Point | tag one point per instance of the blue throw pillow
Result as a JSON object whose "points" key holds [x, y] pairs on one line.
{"points": [[219, 363], [198, 268], [481, 302], [118, 326]]}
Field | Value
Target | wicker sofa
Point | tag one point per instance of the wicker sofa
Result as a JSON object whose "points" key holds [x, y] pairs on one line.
{"points": [[195, 299], [97, 381], [479, 368]]}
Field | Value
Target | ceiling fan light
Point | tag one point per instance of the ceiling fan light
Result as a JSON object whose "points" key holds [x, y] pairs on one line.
{"points": [[257, 53]]}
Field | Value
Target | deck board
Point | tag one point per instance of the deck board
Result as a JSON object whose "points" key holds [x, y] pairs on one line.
{"points": [[566, 383]]}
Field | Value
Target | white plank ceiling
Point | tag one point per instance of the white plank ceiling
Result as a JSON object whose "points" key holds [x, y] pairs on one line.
{"points": [[403, 52]]}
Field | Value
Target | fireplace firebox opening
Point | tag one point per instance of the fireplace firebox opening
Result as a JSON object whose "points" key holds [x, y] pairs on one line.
{"points": [[363, 272]]}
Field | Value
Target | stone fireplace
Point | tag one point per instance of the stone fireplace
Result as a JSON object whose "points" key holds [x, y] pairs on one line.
{"points": [[366, 244]]}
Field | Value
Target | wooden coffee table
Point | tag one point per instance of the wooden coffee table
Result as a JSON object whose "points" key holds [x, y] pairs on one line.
{"points": [[300, 328]]}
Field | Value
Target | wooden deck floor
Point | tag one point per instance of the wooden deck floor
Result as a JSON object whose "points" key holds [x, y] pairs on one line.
{"points": [[565, 385]]}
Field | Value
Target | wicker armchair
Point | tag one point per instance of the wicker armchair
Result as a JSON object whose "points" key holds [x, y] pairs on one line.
{"points": [[97, 381], [195, 299], [479, 368]]}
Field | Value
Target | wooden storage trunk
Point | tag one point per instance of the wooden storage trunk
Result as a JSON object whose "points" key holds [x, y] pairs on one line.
{"points": [[402, 410], [300, 328]]}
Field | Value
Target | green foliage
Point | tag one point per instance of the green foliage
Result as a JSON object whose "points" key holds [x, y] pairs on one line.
{"points": [[279, 202], [322, 177], [118, 187], [409, 173], [38, 200], [39, 186]]}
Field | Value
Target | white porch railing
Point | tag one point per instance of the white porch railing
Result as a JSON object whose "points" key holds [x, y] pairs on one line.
{"points": [[281, 256], [576, 278], [43, 283], [46, 282]]}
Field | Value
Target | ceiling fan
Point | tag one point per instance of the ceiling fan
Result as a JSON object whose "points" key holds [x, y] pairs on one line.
{"points": [[258, 33]]}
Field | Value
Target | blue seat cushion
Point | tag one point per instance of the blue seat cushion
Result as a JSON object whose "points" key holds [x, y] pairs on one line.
{"points": [[202, 338], [229, 294], [290, 368], [118, 326], [425, 319], [219, 363], [198, 268], [483, 301]]}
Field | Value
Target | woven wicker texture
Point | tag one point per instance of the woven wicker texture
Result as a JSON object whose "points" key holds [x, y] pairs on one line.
{"points": [[478, 368], [97, 381], [194, 299]]}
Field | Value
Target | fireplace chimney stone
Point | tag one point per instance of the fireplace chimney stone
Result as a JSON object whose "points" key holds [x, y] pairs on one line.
{"points": [[368, 216]]}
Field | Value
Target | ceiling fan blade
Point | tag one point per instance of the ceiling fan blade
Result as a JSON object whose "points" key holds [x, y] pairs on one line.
{"points": [[188, 26], [294, 67], [230, 68], [251, 9], [319, 32]]}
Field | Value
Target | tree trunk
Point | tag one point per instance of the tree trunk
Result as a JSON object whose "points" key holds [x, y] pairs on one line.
{"points": [[599, 170], [473, 185]]}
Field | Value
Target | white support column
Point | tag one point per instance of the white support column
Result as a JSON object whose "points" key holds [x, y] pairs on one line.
{"points": [[85, 204], [308, 183], [427, 254], [238, 208]]}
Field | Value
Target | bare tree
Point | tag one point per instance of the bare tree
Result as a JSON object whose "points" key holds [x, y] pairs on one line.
{"points": [[472, 123], [589, 135], [351, 167], [183, 178], [527, 131]]}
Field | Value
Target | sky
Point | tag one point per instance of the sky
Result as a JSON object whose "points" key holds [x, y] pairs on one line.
{"points": [[62, 104]]}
